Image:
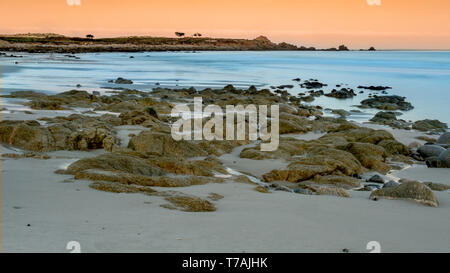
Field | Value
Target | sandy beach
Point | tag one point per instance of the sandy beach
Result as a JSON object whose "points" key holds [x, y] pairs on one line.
{"points": [[100, 167]]}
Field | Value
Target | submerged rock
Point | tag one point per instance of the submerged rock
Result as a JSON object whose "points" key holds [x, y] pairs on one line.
{"points": [[414, 191]]}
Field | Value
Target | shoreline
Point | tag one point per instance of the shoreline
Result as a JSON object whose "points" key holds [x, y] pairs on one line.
{"points": [[51, 43], [102, 169]]}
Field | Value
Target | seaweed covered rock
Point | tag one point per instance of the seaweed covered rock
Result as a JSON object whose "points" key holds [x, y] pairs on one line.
{"points": [[430, 125], [28, 135], [389, 103], [414, 191], [321, 160]]}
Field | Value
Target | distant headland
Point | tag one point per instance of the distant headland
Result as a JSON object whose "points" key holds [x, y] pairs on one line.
{"points": [[55, 43]]}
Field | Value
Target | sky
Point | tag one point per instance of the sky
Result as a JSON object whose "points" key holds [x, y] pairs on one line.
{"points": [[385, 24]]}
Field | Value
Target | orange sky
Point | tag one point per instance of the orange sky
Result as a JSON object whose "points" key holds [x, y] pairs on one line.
{"points": [[399, 24]]}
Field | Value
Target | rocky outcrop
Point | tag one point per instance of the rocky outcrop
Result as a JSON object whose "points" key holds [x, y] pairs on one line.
{"points": [[344, 93], [321, 160], [430, 125], [389, 103], [430, 150], [444, 139], [390, 119], [414, 191]]}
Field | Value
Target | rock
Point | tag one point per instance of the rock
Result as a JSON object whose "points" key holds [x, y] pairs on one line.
{"points": [[115, 162], [370, 155], [430, 150], [323, 190], [437, 186], [123, 81], [189, 204], [341, 112], [262, 189], [444, 158], [430, 125], [321, 160], [376, 179], [344, 93], [339, 181], [389, 103], [391, 184], [390, 118], [434, 162], [374, 88], [414, 191], [162, 144], [312, 85], [444, 138], [289, 123]]}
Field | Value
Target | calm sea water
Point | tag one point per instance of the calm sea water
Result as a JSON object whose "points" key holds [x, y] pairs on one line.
{"points": [[423, 77]]}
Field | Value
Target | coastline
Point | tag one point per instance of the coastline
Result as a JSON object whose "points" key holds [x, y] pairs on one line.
{"points": [[50, 197], [54, 43]]}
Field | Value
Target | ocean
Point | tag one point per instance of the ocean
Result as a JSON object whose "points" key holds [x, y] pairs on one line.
{"points": [[421, 76]]}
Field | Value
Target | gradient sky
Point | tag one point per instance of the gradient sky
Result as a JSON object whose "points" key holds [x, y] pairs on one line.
{"points": [[395, 24]]}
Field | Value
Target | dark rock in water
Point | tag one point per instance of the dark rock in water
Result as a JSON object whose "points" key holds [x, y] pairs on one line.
{"points": [[414, 191], [344, 93], [391, 184], [122, 81], [376, 179], [78, 85], [444, 139], [375, 88], [286, 86], [390, 118], [312, 85], [383, 115], [430, 125], [430, 150], [95, 93], [387, 103], [444, 158], [297, 80]]}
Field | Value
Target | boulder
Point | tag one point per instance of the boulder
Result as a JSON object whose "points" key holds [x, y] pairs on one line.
{"points": [[444, 158], [376, 179], [444, 139], [370, 155], [28, 135], [121, 162], [389, 103], [414, 191], [321, 160], [391, 184], [430, 150], [430, 125]]}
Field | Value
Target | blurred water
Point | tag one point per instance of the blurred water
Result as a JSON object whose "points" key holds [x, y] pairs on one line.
{"points": [[423, 77]]}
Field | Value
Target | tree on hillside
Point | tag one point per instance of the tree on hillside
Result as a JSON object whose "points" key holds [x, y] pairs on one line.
{"points": [[179, 34], [197, 35], [90, 36]]}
